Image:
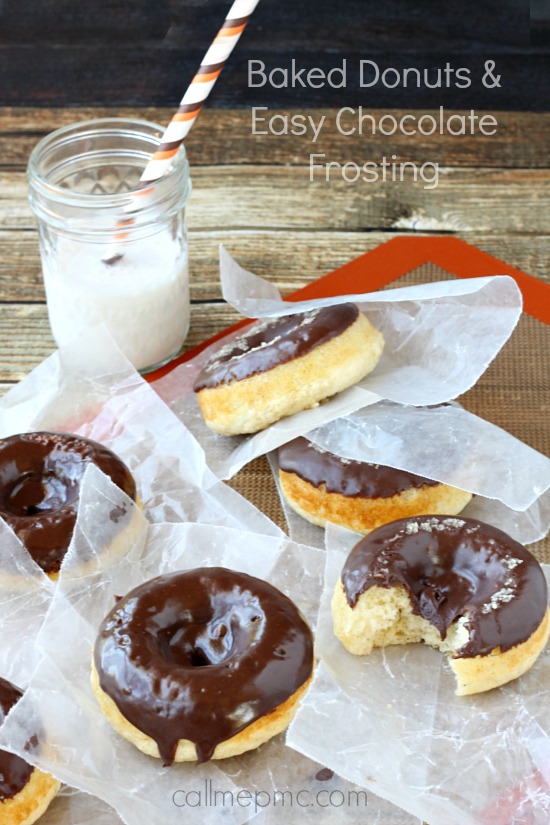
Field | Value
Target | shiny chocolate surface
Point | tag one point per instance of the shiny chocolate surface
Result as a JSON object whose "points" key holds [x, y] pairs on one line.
{"points": [[453, 567], [355, 479], [14, 771], [40, 476], [274, 342], [201, 655]]}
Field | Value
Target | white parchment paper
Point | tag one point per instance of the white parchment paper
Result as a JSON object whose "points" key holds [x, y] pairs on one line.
{"points": [[78, 744], [89, 388], [108, 401], [510, 480], [445, 443], [439, 339], [25, 595], [397, 728], [72, 807]]}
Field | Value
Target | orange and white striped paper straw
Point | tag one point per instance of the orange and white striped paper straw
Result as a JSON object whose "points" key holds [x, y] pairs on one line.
{"points": [[199, 89], [191, 103]]}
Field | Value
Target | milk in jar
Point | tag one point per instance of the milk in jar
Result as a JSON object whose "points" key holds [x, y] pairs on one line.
{"points": [[113, 252]]}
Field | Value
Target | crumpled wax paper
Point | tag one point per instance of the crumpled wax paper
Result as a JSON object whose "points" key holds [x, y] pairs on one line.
{"points": [[72, 807], [77, 743], [510, 480], [25, 596], [397, 729], [89, 388], [439, 339]]}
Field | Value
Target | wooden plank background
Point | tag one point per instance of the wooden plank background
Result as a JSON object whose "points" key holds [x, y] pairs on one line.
{"points": [[134, 52], [253, 194]]}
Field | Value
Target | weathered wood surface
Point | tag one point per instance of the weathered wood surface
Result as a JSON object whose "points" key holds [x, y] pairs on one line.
{"points": [[251, 197], [114, 53], [106, 76], [190, 22], [495, 194], [290, 259], [26, 338], [222, 137]]}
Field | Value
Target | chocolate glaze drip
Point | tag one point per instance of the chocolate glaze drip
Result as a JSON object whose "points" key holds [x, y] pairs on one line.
{"points": [[40, 475], [341, 475], [200, 655], [275, 342], [14, 771], [453, 567]]}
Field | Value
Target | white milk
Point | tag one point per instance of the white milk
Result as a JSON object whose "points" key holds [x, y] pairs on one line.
{"points": [[143, 298], [83, 188]]}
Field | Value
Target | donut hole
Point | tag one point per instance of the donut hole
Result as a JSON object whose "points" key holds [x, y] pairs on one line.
{"points": [[181, 645], [35, 493], [44, 482], [197, 658], [210, 641]]}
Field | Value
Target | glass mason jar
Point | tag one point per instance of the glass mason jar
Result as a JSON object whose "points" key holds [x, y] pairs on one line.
{"points": [[112, 252]]}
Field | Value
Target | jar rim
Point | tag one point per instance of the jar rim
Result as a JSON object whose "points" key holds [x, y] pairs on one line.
{"points": [[178, 172]]}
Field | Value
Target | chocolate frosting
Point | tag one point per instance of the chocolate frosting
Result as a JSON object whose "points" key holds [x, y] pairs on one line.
{"points": [[200, 655], [355, 479], [274, 342], [14, 771], [40, 476], [453, 567]]}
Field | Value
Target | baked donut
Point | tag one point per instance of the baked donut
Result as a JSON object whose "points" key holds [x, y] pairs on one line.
{"points": [[203, 664], [40, 476], [322, 487], [25, 792], [285, 365], [459, 585]]}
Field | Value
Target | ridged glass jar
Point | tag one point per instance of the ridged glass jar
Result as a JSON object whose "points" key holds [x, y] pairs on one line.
{"points": [[113, 252]]}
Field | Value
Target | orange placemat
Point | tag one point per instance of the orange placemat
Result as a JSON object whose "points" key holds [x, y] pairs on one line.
{"points": [[514, 393], [389, 262]]}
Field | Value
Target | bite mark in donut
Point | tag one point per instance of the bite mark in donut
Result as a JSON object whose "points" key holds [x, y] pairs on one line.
{"points": [[201, 664], [457, 584], [285, 365], [25, 791], [40, 476], [323, 487]]}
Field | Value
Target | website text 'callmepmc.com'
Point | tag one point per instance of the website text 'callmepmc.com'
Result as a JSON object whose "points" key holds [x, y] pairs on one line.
{"points": [[257, 800]]}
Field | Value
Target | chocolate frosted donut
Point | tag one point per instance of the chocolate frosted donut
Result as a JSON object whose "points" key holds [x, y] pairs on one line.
{"points": [[201, 664], [274, 342], [460, 585], [25, 792], [285, 365], [40, 476], [323, 487], [14, 771]]}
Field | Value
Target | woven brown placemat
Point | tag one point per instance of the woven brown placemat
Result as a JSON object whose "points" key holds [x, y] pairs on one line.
{"points": [[514, 393]]}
